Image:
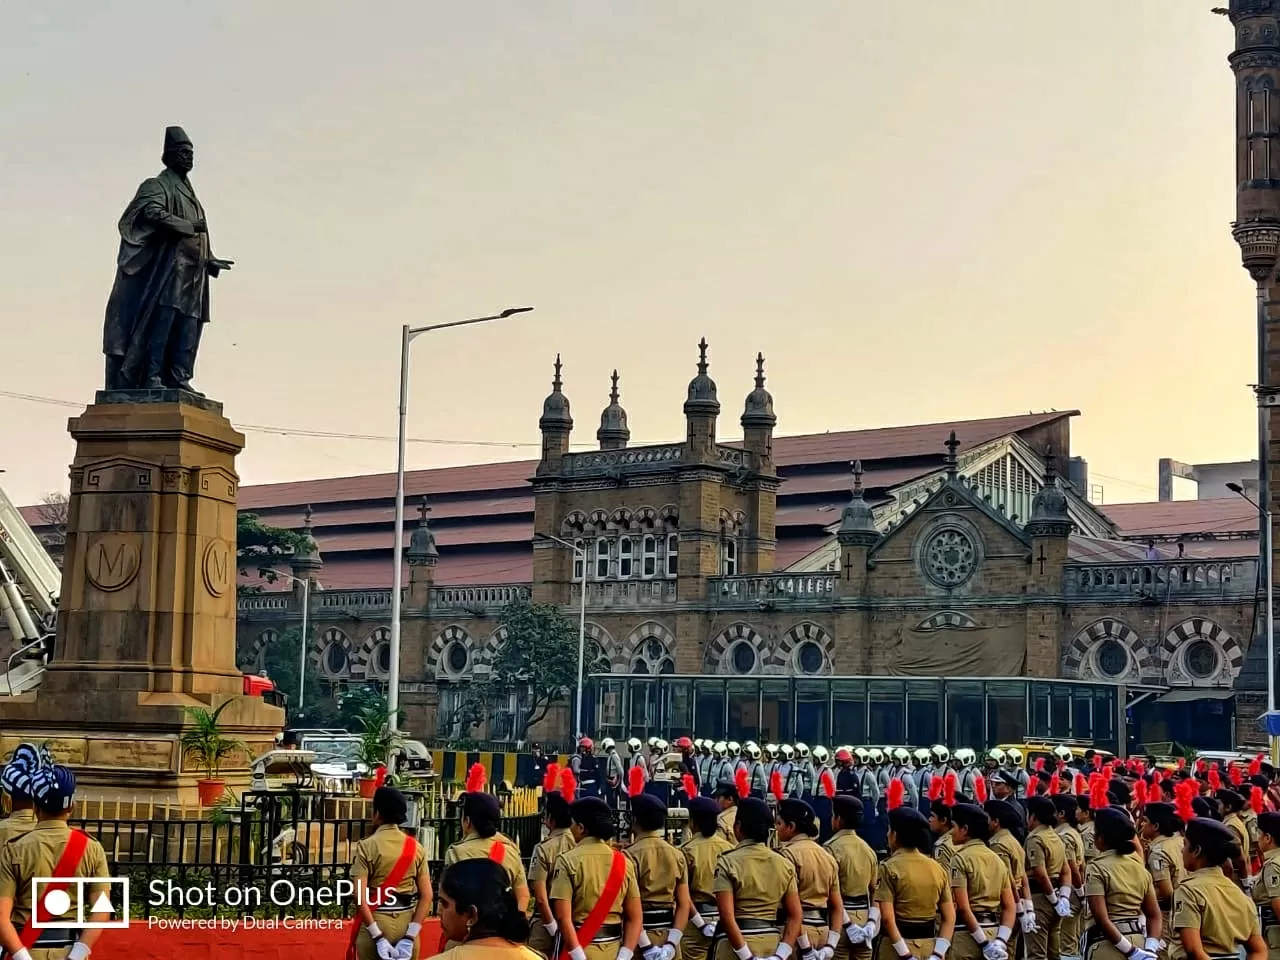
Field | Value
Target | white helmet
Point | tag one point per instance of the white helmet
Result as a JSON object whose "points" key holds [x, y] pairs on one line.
{"points": [[922, 755], [719, 748], [996, 754], [697, 743], [966, 756], [802, 751], [862, 753], [706, 747], [662, 746], [752, 751], [1063, 752], [653, 742], [820, 754], [734, 747], [877, 755], [940, 753], [608, 744], [771, 750], [634, 744], [1014, 756], [788, 751], [901, 754]]}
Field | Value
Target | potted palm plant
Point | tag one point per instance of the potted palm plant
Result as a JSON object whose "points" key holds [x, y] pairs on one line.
{"points": [[207, 744], [377, 740]]}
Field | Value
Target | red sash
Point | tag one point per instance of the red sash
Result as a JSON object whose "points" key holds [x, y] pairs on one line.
{"points": [[399, 870], [67, 865], [594, 920]]}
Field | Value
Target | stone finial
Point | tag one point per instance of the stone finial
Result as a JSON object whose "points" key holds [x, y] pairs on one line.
{"points": [[702, 356], [306, 556], [952, 445], [758, 411], [1050, 515], [422, 545], [555, 409], [857, 522], [614, 432], [701, 399]]}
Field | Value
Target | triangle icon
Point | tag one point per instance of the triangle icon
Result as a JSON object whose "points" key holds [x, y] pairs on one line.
{"points": [[102, 904]]}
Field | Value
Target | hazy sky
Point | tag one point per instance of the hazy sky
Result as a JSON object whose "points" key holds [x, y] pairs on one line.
{"points": [[917, 210]]}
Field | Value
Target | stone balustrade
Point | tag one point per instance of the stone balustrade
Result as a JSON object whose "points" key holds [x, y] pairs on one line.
{"points": [[625, 593], [479, 597], [1161, 579], [605, 462], [780, 588]]}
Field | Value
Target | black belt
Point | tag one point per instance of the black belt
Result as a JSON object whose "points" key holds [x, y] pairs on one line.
{"points": [[857, 903], [986, 917], [607, 932], [51, 938], [402, 903], [655, 917], [1126, 926], [811, 915], [748, 925], [1267, 915], [1164, 905], [917, 929]]}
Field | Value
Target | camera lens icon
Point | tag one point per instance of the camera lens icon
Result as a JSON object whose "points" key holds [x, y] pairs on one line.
{"points": [[57, 902]]}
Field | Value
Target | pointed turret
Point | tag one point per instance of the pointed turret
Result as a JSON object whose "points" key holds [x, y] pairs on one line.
{"points": [[613, 433], [701, 408], [422, 557], [857, 535], [758, 421], [556, 425], [1049, 517], [306, 561]]}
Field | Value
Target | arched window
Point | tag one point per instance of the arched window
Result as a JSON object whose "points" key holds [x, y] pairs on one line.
{"points": [[335, 653], [649, 556], [728, 557], [624, 558], [673, 554], [652, 657], [602, 559], [579, 560]]}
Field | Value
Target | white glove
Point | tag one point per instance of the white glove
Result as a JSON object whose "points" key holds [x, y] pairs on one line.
{"points": [[651, 952], [901, 949], [1140, 954], [404, 948], [872, 926], [856, 934], [743, 952], [625, 953], [995, 950], [783, 952], [1062, 907], [708, 930], [1027, 920], [667, 951], [551, 927], [79, 951], [810, 954], [20, 955], [577, 953], [386, 949], [870, 930], [941, 946], [1153, 945], [1248, 883], [826, 953]]}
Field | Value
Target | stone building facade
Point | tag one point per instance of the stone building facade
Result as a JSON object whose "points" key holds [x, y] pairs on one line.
{"points": [[676, 546]]}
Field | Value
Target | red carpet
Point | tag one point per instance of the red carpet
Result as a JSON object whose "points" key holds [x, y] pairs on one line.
{"points": [[161, 941]]}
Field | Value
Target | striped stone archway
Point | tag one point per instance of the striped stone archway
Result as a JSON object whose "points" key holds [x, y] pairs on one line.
{"points": [[718, 657], [1079, 662]]}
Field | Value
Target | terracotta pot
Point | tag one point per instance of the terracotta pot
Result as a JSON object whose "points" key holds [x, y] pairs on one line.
{"points": [[368, 786], [211, 791]]}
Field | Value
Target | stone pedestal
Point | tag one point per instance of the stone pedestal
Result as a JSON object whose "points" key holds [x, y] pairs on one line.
{"points": [[147, 616]]}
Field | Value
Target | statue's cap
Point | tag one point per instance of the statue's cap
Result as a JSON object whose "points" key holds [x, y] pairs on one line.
{"points": [[175, 136]]}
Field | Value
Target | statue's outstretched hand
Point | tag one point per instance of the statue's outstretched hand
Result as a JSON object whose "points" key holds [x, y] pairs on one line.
{"points": [[216, 266]]}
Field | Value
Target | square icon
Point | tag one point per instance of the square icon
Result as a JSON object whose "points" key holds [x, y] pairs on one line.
{"points": [[54, 896]]}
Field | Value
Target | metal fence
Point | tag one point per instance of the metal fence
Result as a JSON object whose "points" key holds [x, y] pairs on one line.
{"points": [[276, 855]]}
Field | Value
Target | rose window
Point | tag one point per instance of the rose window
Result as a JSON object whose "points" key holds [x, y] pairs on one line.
{"points": [[950, 558]]}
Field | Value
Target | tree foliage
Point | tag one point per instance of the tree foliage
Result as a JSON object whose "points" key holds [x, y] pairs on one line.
{"points": [[260, 547], [280, 664]]}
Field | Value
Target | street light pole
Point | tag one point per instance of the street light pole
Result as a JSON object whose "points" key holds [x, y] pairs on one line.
{"points": [[306, 612], [1264, 515], [407, 335], [578, 552]]}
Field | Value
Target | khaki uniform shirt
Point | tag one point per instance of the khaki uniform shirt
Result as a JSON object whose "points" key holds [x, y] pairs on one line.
{"points": [[1211, 903], [1072, 845], [376, 854], [758, 878], [660, 869], [1267, 887], [16, 825], [1237, 826], [1250, 824], [1045, 849], [856, 862], [34, 854], [980, 872], [700, 856], [1121, 880], [817, 874], [474, 847], [944, 848], [914, 884], [1086, 840], [1006, 845], [1165, 861], [546, 853], [726, 819], [580, 874], [494, 949]]}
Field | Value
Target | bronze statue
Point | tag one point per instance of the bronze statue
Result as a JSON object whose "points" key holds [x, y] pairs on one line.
{"points": [[160, 300]]}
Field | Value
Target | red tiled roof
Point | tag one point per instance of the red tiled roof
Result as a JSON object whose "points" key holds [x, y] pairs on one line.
{"points": [[1173, 517]]}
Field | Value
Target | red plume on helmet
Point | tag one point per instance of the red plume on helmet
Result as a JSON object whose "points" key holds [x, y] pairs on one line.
{"points": [[1235, 774], [568, 784], [935, 789], [1183, 794], [742, 782], [1181, 762], [1156, 777], [690, 785], [1215, 779], [828, 784], [1200, 765], [980, 790], [1039, 764], [551, 777], [775, 785], [1079, 785], [893, 797], [1107, 772], [1097, 761], [949, 788], [635, 782], [475, 778], [1255, 765], [1257, 803], [1140, 793], [1097, 791], [1141, 766], [1055, 784]]}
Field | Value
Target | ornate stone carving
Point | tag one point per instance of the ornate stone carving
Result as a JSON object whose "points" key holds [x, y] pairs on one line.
{"points": [[217, 568], [112, 560]]}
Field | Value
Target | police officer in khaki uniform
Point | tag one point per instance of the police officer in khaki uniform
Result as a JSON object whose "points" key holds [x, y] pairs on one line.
{"points": [[940, 823], [701, 852], [15, 781], [481, 816], [1211, 916], [1232, 805], [913, 893], [817, 875], [578, 882], [34, 854], [389, 924], [982, 888], [662, 877], [1005, 819], [859, 872], [1064, 806], [1120, 893], [756, 892], [1048, 878], [726, 796], [1160, 826], [556, 816], [1266, 889]]}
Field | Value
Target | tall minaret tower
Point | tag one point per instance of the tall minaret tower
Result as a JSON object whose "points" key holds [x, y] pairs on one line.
{"points": [[1255, 61]]}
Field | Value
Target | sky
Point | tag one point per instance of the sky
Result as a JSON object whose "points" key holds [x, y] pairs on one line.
{"points": [[918, 212]]}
